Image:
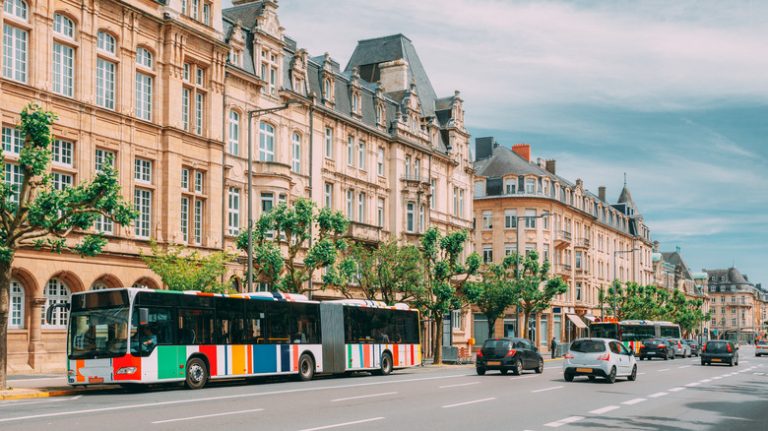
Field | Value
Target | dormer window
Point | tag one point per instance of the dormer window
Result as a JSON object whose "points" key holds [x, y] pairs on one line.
{"points": [[269, 68], [234, 57], [328, 89], [380, 114], [355, 103], [298, 85]]}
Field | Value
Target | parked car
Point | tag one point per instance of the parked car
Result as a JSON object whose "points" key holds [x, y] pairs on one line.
{"points": [[761, 348], [505, 354], [680, 348], [694, 345], [599, 357], [656, 348], [720, 352]]}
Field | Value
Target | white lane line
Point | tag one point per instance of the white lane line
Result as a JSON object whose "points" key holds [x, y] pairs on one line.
{"points": [[605, 409], [564, 421], [640, 374], [27, 403], [663, 369], [448, 406], [552, 368], [716, 378], [690, 385], [546, 389], [705, 380], [213, 415], [684, 366], [325, 427], [359, 397], [225, 397], [37, 379], [677, 389], [634, 401], [524, 377], [759, 374], [658, 394], [458, 385]]}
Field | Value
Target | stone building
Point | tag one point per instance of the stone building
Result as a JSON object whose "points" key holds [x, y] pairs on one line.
{"points": [[737, 305], [166, 88], [672, 273], [524, 205]]}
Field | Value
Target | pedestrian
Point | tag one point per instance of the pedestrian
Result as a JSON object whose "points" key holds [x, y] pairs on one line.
{"points": [[553, 347]]}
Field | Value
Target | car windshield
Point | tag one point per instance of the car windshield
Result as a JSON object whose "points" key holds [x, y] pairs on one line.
{"points": [[98, 333], [717, 347], [588, 346], [497, 344]]}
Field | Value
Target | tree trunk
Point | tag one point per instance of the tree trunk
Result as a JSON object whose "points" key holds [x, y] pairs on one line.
{"points": [[491, 327], [5, 290], [524, 326], [437, 342]]}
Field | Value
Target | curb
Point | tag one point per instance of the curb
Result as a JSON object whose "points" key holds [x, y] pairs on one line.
{"points": [[42, 394]]}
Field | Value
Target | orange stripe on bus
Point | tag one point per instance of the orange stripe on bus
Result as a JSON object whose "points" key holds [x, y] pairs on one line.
{"points": [[80, 363], [396, 353], [367, 356], [238, 359], [295, 357]]}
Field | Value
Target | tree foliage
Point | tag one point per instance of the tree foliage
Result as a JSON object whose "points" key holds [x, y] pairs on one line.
{"points": [[533, 287], [444, 275], [34, 214], [494, 292], [285, 253], [182, 270]]}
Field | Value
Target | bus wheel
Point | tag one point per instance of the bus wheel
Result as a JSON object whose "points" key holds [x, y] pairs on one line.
{"points": [[306, 367], [386, 364], [197, 374]]}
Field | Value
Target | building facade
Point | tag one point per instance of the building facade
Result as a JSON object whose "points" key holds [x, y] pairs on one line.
{"points": [[738, 306], [523, 205], [672, 273], [166, 89]]}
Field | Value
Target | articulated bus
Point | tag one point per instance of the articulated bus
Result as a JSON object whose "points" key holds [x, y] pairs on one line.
{"points": [[134, 336], [632, 332]]}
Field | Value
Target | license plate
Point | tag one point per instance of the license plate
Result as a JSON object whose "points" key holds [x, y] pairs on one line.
{"points": [[494, 362], [651, 353], [716, 360], [583, 370], [95, 380]]}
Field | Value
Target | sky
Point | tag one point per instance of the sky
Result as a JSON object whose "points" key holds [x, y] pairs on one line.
{"points": [[674, 94]]}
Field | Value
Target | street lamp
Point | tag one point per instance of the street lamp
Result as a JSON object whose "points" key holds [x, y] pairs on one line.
{"points": [[251, 116], [517, 263]]}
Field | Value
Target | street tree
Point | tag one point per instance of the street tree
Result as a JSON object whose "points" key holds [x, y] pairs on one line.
{"points": [[533, 286], [181, 269], [291, 242], [687, 312], [444, 275], [34, 214], [494, 292]]}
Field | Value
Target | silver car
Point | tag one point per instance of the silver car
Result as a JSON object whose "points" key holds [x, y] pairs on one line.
{"points": [[599, 357], [681, 348]]}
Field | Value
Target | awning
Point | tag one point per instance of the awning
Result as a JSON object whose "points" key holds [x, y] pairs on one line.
{"points": [[576, 321], [590, 317]]}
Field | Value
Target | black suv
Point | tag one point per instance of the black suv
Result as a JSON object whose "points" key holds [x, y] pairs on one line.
{"points": [[720, 352], [657, 348], [504, 354]]}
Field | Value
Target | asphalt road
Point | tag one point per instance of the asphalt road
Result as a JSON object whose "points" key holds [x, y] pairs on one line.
{"points": [[668, 395]]}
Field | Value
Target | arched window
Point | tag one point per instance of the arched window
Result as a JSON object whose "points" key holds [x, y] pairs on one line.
{"points": [[144, 85], [63, 26], [56, 292], [234, 133], [144, 58], [16, 315], [99, 285], [17, 8], [296, 157], [106, 42], [266, 142]]}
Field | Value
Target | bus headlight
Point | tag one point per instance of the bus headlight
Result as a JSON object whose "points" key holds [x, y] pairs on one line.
{"points": [[126, 370]]}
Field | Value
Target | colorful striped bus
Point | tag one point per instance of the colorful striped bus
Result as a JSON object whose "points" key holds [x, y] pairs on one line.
{"points": [[632, 332], [141, 336]]}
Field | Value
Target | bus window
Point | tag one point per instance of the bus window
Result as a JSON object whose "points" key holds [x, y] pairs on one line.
{"points": [[255, 322], [279, 318], [229, 323], [307, 321], [196, 326], [159, 329]]}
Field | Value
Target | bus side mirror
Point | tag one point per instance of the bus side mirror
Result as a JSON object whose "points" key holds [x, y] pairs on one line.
{"points": [[49, 311], [143, 316]]}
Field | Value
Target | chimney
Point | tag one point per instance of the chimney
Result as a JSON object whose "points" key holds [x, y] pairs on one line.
{"points": [[523, 150], [601, 193], [551, 167], [484, 147], [394, 75]]}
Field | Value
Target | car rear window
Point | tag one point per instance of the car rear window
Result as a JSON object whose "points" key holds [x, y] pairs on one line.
{"points": [[716, 347], [588, 346], [497, 344]]}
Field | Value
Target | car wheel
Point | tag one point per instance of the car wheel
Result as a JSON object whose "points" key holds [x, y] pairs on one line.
{"points": [[480, 371], [612, 376], [703, 363], [641, 358], [730, 363], [540, 368], [504, 371], [518, 367], [632, 377], [591, 378], [307, 367], [666, 357], [568, 377], [197, 374]]}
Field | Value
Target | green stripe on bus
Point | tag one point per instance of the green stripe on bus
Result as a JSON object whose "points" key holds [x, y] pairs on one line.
{"points": [[170, 361], [349, 356]]}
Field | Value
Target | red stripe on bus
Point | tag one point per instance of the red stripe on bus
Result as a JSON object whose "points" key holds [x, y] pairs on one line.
{"points": [[396, 353], [367, 356]]}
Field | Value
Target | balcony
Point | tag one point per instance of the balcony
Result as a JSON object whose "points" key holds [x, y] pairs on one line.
{"points": [[563, 269], [271, 169], [562, 239], [581, 243], [364, 232]]}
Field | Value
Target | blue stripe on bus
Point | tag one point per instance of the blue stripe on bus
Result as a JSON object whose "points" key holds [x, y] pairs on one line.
{"points": [[226, 360], [264, 359], [285, 357]]}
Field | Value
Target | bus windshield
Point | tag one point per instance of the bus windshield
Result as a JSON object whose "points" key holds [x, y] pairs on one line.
{"points": [[604, 330], [100, 333]]}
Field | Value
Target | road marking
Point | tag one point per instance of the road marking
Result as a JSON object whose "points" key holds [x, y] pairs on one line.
{"points": [[564, 421], [716, 378], [705, 380], [760, 374], [634, 401], [605, 409], [658, 394], [546, 389], [640, 374], [690, 385], [663, 369], [383, 394], [325, 427], [224, 397], [684, 366], [523, 377], [37, 379], [239, 412], [552, 368], [448, 406], [458, 385], [677, 389]]}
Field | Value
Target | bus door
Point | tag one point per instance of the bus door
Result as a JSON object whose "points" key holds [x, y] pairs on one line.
{"points": [[332, 332]]}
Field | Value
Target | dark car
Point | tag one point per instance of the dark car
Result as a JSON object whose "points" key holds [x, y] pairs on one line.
{"points": [[656, 348], [720, 352], [695, 348], [505, 354]]}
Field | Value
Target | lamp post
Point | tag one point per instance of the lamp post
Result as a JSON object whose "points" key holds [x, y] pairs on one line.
{"points": [[616, 253], [517, 263], [251, 116]]}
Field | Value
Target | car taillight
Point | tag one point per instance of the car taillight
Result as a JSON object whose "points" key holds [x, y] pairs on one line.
{"points": [[704, 347], [661, 346], [479, 353], [679, 346], [728, 346], [604, 357], [568, 356], [511, 352]]}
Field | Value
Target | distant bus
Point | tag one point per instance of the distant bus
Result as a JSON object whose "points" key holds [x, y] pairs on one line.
{"points": [[632, 332], [142, 336]]}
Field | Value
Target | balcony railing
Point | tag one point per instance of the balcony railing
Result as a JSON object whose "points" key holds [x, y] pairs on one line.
{"points": [[564, 235], [582, 243], [364, 232], [414, 178]]}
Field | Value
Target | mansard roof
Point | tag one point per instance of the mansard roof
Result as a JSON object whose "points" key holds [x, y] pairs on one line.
{"points": [[676, 259]]}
